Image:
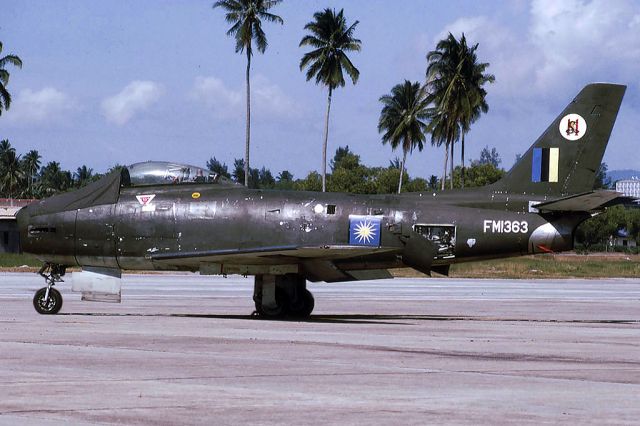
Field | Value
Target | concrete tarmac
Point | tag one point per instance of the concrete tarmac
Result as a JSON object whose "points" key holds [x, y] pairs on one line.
{"points": [[183, 349]]}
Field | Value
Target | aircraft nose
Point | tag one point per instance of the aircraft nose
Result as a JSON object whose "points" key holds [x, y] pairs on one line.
{"points": [[23, 218]]}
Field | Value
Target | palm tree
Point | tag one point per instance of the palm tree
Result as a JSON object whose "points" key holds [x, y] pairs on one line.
{"points": [[5, 146], [11, 173], [402, 119], [30, 166], [330, 39], [246, 17], [455, 80], [443, 131], [5, 97], [82, 176], [474, 78], [53, 179]]}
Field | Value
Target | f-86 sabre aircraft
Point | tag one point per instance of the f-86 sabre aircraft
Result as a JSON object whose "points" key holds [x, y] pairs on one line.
{"points": [[171, 217]]}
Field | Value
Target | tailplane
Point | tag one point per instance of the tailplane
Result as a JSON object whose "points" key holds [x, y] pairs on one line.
{"points": [[566, 157]]}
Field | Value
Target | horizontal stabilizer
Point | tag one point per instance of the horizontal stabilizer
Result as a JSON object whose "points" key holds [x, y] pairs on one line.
{"points": [[585, 202]]}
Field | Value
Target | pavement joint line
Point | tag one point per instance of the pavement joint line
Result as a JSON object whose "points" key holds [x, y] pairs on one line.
{"points": [[508, 357], [77, 410]]}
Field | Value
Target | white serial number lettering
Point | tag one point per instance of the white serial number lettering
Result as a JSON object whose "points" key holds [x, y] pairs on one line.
{"points": [[505, 226]]}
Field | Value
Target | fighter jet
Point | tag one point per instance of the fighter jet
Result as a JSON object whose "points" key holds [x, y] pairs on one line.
{"points": [[163, 216]]}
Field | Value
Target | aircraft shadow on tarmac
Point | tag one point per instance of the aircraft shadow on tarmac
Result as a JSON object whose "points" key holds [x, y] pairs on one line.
{"points": [[360, 318]]}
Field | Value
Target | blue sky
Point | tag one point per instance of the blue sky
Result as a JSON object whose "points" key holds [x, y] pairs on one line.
{"points": [[122, 81]]}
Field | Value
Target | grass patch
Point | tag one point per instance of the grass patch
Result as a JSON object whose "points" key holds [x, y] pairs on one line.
{"points": [[527, 267], [15, 260], [545, 266]]}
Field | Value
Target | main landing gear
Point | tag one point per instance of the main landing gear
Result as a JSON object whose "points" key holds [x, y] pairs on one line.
{"points": [[277, 296], [48, 300]]}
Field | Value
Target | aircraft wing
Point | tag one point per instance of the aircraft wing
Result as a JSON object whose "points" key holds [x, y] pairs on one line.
{"points": [[326, 263], [586, 202]]}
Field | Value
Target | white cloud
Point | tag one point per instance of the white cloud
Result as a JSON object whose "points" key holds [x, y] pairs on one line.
{"points": [[136, 97], [266, 98], [572, 40], [212, 92], [42, 106], [593, 34]]}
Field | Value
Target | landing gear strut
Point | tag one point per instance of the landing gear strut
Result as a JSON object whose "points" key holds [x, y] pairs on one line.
{"points": [[48, 300], [278, 296]]}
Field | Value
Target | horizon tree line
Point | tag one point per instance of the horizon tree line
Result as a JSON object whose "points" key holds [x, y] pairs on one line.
{"points": [[452, 98]]}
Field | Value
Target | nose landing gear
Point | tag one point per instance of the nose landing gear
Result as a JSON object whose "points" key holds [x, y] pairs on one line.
{"points": [[48, 300]]}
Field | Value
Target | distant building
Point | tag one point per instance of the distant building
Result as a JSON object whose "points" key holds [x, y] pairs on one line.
{"points": [[622, 239], [629, 187], [9, 234]]}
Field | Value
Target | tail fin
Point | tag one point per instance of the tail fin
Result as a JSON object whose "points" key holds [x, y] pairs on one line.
{"points": [[565, 158]]}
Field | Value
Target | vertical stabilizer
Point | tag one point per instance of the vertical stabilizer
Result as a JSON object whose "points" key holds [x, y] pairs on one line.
{"points": [[566, 157]]}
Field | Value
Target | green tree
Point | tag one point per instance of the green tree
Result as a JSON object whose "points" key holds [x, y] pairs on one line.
{"points": [[478, 174], [603, 181], [443, 132], [30, 167], [455, 80], [331, 38], [490, 157], [433, 182], [5, 96], [82, 176], [313, 182], [218, 167], [5, 146], [246, 17], [284, 180], [53, 179], [341, 153], [11, 174], [266, 179], [473, 79], [402, 120]]}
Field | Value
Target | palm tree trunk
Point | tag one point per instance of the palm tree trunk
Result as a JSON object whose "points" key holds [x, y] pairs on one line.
{"points": [[248, 127], [404, 158], [446, 158], [453, 142], [462, 155], [324, 145]]}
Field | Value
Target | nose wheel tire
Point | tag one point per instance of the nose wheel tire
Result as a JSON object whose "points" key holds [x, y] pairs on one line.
{"points": [[50, 305]]}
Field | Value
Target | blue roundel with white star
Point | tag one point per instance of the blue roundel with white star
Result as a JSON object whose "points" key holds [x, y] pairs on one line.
{"points": [[364, 230]]}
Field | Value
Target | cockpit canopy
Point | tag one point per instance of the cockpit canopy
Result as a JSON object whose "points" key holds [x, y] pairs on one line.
{"points": [[166, 173], [107, 189]]}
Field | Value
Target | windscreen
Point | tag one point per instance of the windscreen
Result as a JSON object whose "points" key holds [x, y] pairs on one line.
{"points": [[166, 173]]}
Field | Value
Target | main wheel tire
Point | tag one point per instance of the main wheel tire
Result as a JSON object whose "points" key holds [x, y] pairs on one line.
{"points": [[270, 312], [304, 309], [47, 307]]}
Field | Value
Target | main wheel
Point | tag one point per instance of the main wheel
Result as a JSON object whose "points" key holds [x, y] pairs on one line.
{"points": [[47, 307], [271, 312], [304, 308]]}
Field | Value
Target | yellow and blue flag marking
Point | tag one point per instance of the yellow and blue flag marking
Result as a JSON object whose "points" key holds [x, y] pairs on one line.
{"points": [[545, 164]]}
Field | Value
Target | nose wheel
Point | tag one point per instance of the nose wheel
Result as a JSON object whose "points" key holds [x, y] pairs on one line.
{"points": [[48, 300]]}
